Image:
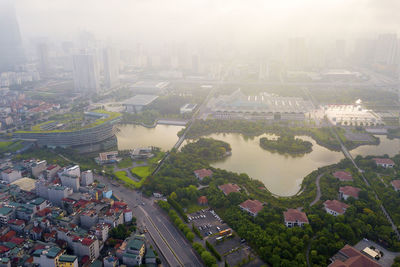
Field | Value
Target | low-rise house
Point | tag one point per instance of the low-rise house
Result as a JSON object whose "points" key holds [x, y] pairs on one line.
{"points": [[348, 191], [203, 173], [67, 261], [335, 207], [6, 214], [17, 225], [89, 218], [107, 157], [134, 252], [343, 176], [384, 162], [351, 257], [150, 257], [51, 171], [202, 200], [110, 261], [229, 188], [47, 257], [5, 262], [253, 207], [294, 217], [396, 185]]}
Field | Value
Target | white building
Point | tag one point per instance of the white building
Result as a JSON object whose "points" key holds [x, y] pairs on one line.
{"points": [[10, 175], [87, 178], [352, 115], [86, 73], [188, 108], [38, 168], [70, 177]]}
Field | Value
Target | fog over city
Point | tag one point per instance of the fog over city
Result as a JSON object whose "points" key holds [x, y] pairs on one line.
{"points": [[189, 21], [191, 133]]}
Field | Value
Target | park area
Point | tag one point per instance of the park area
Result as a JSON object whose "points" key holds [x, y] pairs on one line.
{"points": [[134, 173]]}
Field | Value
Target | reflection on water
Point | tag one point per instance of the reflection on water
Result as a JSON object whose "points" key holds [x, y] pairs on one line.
{"points": [[133, 136], [386, 146], [282, 174]]}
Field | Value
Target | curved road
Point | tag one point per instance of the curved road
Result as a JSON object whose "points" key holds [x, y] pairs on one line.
{"points": [[318, 196]]}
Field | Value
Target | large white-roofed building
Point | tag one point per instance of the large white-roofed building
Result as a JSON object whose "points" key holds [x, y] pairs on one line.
{"points": [[262, 106], [354, 115], [136, 103]]}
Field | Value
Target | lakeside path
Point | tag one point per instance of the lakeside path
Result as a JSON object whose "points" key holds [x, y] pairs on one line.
{"points": [[318, 196]]}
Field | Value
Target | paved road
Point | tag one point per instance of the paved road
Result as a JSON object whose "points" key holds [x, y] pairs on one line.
{"points": [[318, 196], [349, 156], [174, 247]]}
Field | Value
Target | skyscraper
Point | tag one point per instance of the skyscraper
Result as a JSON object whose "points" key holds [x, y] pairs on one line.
{"points": [[11, 51], [86, 73], [111, 67], [43, 55]]}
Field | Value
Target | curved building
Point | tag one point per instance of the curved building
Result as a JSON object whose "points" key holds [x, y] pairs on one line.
{"points": [[99, 132]]}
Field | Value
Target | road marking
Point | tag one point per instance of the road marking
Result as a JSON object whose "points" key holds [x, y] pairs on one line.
{"points": [[165, 241]]}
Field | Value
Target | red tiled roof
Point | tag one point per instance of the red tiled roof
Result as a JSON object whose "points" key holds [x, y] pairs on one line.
{"points": [[336, 206], [202, 200], [37, 230], [350, 191], [87, 241], [396, 184], [3, 249], [293, 215], [383, 161], [16, 222], [8, 236], [43, 212], [254, 206], [203, 173], [52, 167], [120, 204], [355, 259], [17, 240], [343, 176], [229, 188]]}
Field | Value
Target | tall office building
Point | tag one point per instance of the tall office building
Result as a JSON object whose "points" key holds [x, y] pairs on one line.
{"points": [[111, 67], [43, 55], [11, 51], [297, 53], [86, 73], [386, 49]]}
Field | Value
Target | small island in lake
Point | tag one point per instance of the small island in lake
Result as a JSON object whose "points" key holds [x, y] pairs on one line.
{"points": [[286, 144], [208, 149]]}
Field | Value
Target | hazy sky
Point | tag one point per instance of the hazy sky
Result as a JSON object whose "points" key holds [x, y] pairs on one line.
{"points": [[194, 20]]}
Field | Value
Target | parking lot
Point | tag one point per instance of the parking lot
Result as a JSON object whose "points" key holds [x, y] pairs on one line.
{"points": [[207, 221], [229, 245]]}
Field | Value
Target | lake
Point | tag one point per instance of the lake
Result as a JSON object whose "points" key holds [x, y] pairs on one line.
{"points": [[386, 146], [282, 174], [132, 136]]}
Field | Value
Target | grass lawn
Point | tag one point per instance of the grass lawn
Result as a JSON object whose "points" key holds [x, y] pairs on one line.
{"points": [[141, 171], [5, 144], [156, 158], [123, 177], [125, 163]]}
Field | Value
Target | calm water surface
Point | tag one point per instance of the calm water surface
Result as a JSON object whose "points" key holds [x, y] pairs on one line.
{"points": [[386, 146], [281, 174], [133, 136]]}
